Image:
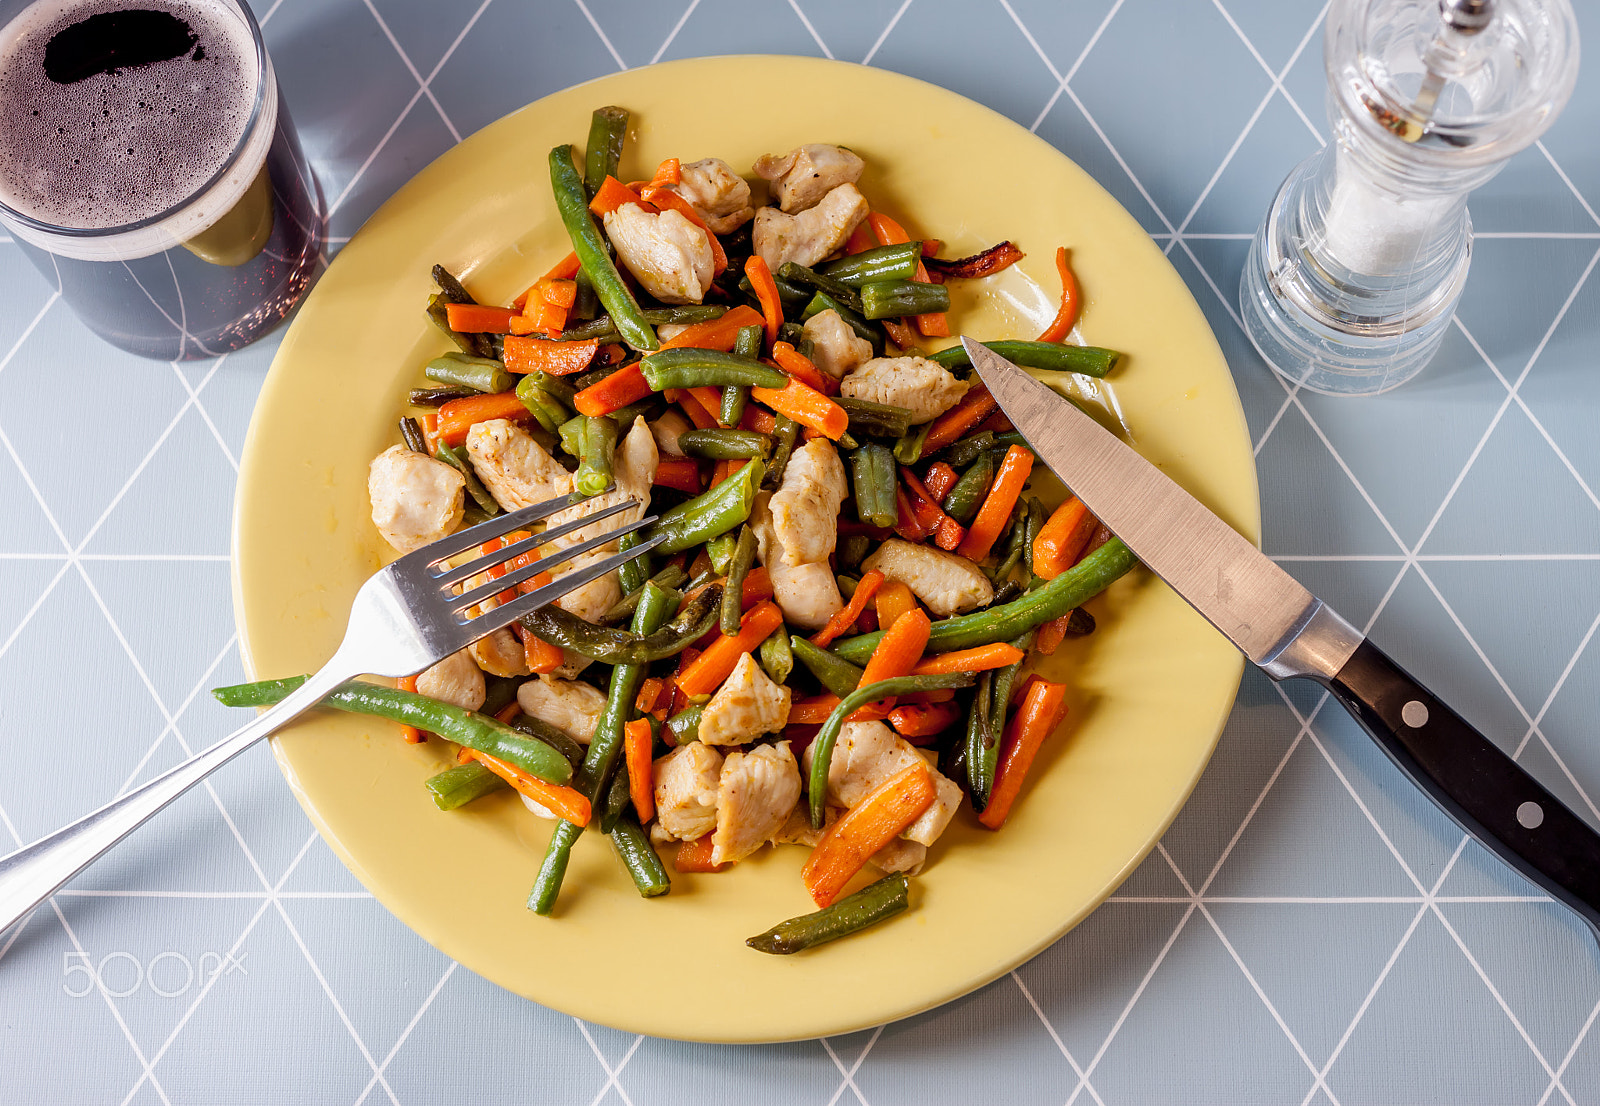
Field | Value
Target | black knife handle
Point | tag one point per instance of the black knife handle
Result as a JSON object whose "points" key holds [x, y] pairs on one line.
{"points": [[1473, 781]]}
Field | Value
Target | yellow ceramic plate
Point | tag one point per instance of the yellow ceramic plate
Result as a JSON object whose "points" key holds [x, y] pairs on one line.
{"points": [[1150, 690]]}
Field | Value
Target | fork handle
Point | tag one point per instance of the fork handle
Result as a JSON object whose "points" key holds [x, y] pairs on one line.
{"points": [[32, 873]]}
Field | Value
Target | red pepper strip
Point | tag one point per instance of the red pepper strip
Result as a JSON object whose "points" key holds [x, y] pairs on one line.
{"points": [[1071, 301], [907, 525], [846, 616], [682, 473], [947, 532], [987, 263], [939, 479]]}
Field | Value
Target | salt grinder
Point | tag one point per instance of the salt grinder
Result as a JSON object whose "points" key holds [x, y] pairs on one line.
{"points": [[1354, 274]]}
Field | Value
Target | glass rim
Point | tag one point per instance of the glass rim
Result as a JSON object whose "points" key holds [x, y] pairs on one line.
{"points": [[257, 106]]}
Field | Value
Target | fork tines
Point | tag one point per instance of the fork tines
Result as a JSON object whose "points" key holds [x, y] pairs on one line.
{"points": [[515, 576]]}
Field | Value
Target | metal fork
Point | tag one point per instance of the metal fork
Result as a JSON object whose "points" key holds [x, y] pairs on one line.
{"points": [[405, 618]]}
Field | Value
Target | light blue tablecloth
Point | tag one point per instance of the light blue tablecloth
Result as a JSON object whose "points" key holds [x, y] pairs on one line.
{"points": [[1310, 930]]}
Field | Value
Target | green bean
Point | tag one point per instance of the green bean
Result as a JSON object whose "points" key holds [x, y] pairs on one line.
{"points": [[636, 572], [1004, 594], [600, 759], [963, 500], [600, 329], [896, 262], [684, 726], [412, 433], [471, 515], [748, 341], [599, 443], [437, 397], [540, 403], [852, 550], [710, 513], [873, 472], [1051, 356], [868, 906], [602, 643], [608, 128], [499, 692], [618, 797], [962, 453], [688, 367], [720, 551], [847, 585], [650, 408], [1080, 623], [854, 320], [639, 857], [456, 459], [888, 299], [449, 287], [464, 727], [979, 739], [458, 786], [724, 445], [1017, 529], [776, 657], [882, 420], [908, 450], [585, 304], [802, 277], [787, 432], [1084, 580], [472, 344], [822, 744], [744, 556], [481, 374], [839, 676], [571, 434], [553, 386], [672, 576], [557, 739], [790, 295], [590, 247], [791, 332], [1035, 523]]}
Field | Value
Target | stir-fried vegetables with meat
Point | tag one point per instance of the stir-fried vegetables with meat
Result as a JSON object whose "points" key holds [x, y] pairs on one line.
{"points": [[832, 647]]}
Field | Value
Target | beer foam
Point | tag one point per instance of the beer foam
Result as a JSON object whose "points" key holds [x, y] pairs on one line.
{"points": [[123, 147]]}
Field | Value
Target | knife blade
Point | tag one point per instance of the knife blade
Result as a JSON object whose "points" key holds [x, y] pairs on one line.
{"points": [[1290, 633]]}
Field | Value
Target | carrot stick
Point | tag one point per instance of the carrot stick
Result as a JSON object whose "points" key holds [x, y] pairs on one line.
{"points": [[799, 366], [668, 172], [894, 599], [924, 720], [430, 431], [974, 407], [861, 239], [695, 856], [527, 355], [682, 473], [757, 586], [476, 318], [814, 711], [542, 656], [561, 293], [996, 509], [1052, 634], [650, 693], [723, 470], [1061, 539], [412, 735], [899, 333], [1071, 301], [718, 334], [767, 294], [613, 194], [758, 419], [707, 671], [626, 385], [866, 828], [897, 652], [636, 744], [1030, 725], [565, 269], [889, 233], [806, 406], [846, 616], [695, 408], [459, 415], [564, 802], [939, 479], [978, 659]]}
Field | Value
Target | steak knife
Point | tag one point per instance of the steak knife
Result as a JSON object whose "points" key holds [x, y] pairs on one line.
{"points": [[1291, 634]]}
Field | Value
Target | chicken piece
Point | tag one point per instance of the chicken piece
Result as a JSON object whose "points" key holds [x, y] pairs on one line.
{"points": [[924, 388], [688, 787], [813, 234], [796, 829], [835, 349], [415, 499], [866, 755], [515, 468], [807, 594], [541, 811], [806, 174], [591, 600], [500, 654], [747, 705], [718, 195], [666, 253], [756, 792], [570, 706], [899, 855], [667, 428], [805, 508], [633, 472], [946, 583], [456, 679]]}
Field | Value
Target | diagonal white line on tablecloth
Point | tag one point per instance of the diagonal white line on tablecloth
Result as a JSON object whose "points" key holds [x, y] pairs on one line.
{"points": [[1322, 900], [613, 1074], [1038, 1012], [1572, 662], [405, 60], [205, 415], [406, 1032], [1094, 1062], [601, 34], [812, 31], [33, 610], [205, 678], [1277, 77], [1249, 976], [1072, 70], [673, 34], [112, 893], [600, 1057], [276, 4], [1561, 1068], [16, 931], [850, 1075], [884, 34], [29, 329], [1566, 180], [405, 111]]}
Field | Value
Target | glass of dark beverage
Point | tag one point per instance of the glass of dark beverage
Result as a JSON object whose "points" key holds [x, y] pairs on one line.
{"points": [[149, 168]]}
